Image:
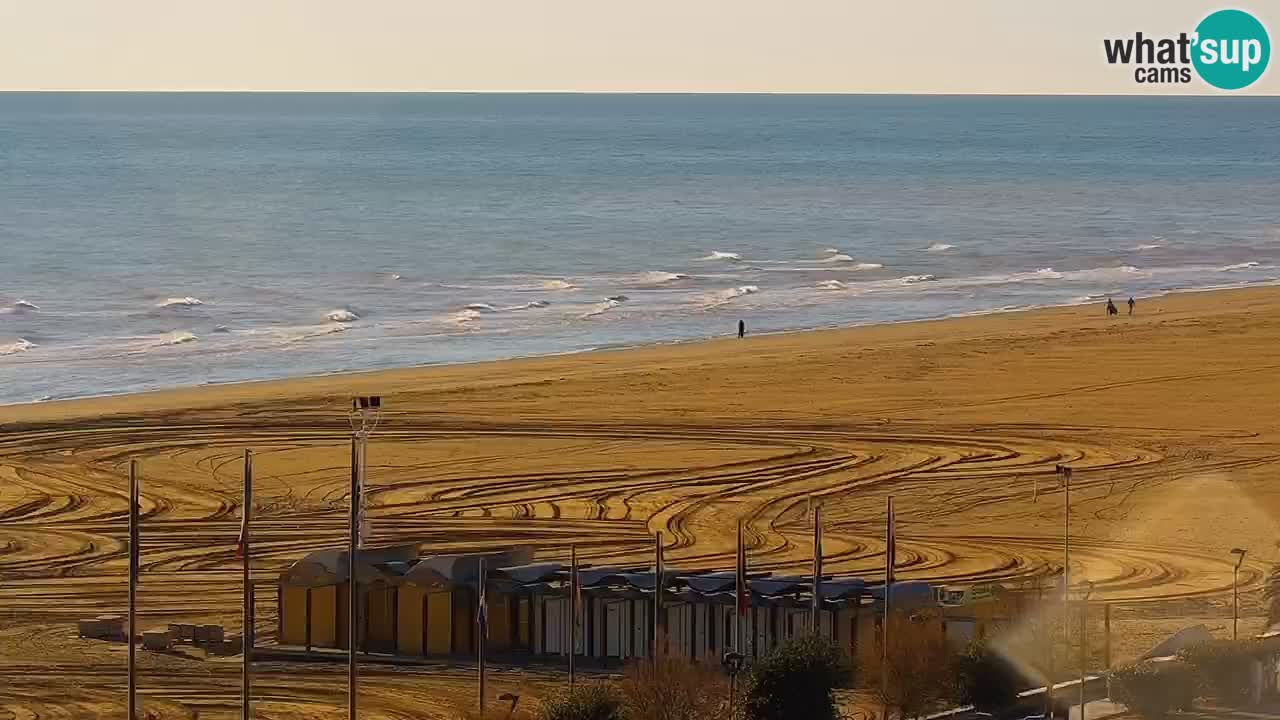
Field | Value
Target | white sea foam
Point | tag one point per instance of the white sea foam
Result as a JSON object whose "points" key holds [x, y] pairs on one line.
{"points": [[837, 258], [1240, 266], [482, 307], [179, 337], [529, 305], [13, 348], [181, 302], [721, 297], [462, 318], [221, 329], [868, 266], [600, 308], [25, 305], [832, 285], [914, 279], [341, 316], [1148, 246], [720, 255], [557, 285], [938, 247], [658, 277]]}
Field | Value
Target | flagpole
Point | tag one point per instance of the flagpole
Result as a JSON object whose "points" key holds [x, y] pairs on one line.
{"points": [[247, 631], [890, 556], [658, 583], [483, 635], [739, 644], [817, 570], [131, 628], [353, 595], [573, 612]]}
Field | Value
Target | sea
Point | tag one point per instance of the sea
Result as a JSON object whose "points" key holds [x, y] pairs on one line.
{"points": [[158, 240]]}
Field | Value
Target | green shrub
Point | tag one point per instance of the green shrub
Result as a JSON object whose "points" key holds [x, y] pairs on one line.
{"points": [[796, 680], [984, 678], [1154, 689], [588, 701]]}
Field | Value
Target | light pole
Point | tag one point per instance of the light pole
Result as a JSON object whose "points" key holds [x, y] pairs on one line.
{"points": [[1084, 649], [364, 416], [1235, 592]]}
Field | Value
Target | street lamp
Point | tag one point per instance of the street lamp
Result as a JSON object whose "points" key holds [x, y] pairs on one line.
{"points": [[1235, 592]]}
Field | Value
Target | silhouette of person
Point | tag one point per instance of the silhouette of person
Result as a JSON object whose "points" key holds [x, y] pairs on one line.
{"points": [[1131, 306], [1111, 308], [742, 329]]}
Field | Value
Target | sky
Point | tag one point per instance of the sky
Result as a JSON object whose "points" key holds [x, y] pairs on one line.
{"points": [[844, 46]]}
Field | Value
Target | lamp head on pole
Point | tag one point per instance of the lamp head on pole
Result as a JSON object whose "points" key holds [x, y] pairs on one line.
{"points": [[1239, 553]]}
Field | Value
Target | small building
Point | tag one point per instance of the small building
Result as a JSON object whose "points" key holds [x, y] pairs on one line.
{"points": [[427, 606]]}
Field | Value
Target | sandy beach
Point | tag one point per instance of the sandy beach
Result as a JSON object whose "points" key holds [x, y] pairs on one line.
{"points": [[1169, 419]]}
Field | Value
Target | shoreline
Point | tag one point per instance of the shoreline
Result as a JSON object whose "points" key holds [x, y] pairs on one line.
{"points": [[289, 386]]}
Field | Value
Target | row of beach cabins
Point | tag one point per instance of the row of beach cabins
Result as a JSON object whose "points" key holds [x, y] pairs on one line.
{"points": [[426, 606]]}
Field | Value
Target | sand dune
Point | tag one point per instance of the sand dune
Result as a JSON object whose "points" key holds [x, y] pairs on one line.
{"points": [[1169, 420]]}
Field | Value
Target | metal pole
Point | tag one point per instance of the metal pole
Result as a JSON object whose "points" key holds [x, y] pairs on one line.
{"points": [[247, 630], [658, 586], [816, 592], [573, 613], [353, 596], [1235, 603], [483, 634], [889, 560], [131, 629], [1084, 659], [1106, 643]]}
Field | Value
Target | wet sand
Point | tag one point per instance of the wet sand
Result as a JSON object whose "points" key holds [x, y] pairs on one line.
{"points": [[1169, 418]]}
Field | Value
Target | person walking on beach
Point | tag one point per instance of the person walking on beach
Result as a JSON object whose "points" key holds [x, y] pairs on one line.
{"points": [[1111, 308], [742, 329], [1131, 305]]}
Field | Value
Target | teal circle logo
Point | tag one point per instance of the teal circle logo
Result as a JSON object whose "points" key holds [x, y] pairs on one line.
{"points": [[1231, 49]]}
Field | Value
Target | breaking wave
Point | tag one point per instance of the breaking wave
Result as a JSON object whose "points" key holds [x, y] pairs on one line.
{"points": [[914, 279], [341, 316], [724, 296], [20, 345], [177, 338], [939, 247], [181, 302], [1240, 266], [832, 285], [557, 285], [719, 255]]}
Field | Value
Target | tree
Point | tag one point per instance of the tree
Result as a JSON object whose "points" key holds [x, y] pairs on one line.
{"points": [[1272, 595], [796, 680], [588, 701], [983, 677], [914, 672], [674, 688], [1224, 667]]}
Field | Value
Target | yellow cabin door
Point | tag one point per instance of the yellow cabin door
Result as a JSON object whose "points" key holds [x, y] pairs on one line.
{"points": [[293, 616], [499, 622], [382, 620], [324, 610], [463, 623], [410, 620], [439, 623]]}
